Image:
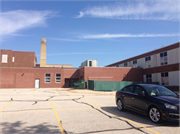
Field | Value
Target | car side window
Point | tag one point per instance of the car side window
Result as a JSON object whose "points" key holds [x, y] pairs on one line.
{"points": [[138, 90], [128, 89]]}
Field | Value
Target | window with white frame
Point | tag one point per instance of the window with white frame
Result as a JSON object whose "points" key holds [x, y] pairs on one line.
{"points": [[134, 63], [117, 65], [125, 64], [163, 58], [165, 78], [4, 58], [148, 78], [47, 78], [148, 61], [13, 59], [58, 78]]}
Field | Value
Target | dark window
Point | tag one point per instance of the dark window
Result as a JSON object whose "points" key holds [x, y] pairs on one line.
{"points": [[47, 78], [125, 64], [164, 78], [128, 89], [163, 58], [148, 78], [138, 90], [58, 78], [117, 65], [90, 63], [148, 61]]}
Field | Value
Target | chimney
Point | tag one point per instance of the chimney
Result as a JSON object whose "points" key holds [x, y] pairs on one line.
{"points": [[43, 52]]}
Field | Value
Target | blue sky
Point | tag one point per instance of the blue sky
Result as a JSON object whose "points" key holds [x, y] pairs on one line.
{"points": [[109, 31]]}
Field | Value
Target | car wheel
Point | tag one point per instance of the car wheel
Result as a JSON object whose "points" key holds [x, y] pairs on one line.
{"points": [[120, 105], [154, 114]]}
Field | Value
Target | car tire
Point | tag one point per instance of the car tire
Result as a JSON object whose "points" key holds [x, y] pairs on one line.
{"points": [[120, 105], [155, 114]]}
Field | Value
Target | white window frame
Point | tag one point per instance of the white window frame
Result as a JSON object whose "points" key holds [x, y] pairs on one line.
{"points": [[47, 78], [165, 78], [58, 81], [164, 58], [148, 77], [125, 64], [13, 59], [134, 63], [148, 61], [4, 58]]}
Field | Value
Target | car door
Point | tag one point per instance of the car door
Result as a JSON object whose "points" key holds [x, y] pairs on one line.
{"points": [[139, 103], [127, 96]]}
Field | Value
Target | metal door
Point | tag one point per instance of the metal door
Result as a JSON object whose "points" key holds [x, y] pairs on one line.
{"points": [[36, 83]]}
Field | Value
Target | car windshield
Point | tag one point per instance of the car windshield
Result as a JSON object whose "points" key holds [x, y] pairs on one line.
{"points": [[159, 91]]}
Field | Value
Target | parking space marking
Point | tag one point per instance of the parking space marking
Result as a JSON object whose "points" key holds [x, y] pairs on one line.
{"points": [[6, 106], [11, 92], [47, 110], [26, 111], [58, 120], [88, 92], [123, 117], [34, 91]]}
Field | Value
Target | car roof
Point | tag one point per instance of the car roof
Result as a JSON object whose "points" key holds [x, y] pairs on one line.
{"points": [[147, 85]]}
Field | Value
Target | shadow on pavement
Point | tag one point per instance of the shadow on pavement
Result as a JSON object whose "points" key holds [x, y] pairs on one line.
{"points": [[137, 117], [19, 127]]}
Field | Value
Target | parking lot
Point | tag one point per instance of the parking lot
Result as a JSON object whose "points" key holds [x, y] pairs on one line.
{"points": [[70, 111]]}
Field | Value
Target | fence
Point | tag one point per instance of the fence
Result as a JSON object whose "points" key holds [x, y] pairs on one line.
{"points": [[112, 85]]}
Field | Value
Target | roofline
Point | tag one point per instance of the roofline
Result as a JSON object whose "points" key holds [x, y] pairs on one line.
{"points": [[169, 47]]}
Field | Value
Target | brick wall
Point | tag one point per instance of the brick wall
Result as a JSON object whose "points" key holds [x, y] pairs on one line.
{"points": [[9, 63], [25, 77], [113, 74], [21, 59]]}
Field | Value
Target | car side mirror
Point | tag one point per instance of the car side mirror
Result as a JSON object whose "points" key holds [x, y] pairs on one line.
{"points": [[141, 94]]}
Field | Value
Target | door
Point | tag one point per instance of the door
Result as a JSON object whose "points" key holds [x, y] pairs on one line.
{"points": [[127, 96], [36, 83], [139, 103]]}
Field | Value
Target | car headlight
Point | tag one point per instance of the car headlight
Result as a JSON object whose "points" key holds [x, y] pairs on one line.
{"points": [[169, 106]]}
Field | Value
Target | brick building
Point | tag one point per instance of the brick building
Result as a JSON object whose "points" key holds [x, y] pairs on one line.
{"points": [[160, 65], [20, 69]]}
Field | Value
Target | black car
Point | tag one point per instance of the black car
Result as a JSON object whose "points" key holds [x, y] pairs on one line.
{"points": [[158, 102]]}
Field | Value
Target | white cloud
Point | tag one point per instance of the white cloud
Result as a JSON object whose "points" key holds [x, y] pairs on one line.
{"points": [[14, 21], [65, 39], [107, 36], [136, 10]]}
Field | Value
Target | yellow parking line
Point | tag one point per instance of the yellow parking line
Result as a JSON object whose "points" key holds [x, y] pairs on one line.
{"points": [[11, 92], [26, 111], [6, 106], [53, 91], [73, 109], [45, 110], [34, 91], [123, 117], [59, 123]]}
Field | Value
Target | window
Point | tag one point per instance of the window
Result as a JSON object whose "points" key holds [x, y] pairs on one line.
{"points": [[58, 78], [164, 78], [4, 58], [163, 58], [134, 63], [117, 65], [148, 61], [138, 90], [125, 64], [47, 78], [128, 89], [148, 78], [12, 59], [90, 63]]}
